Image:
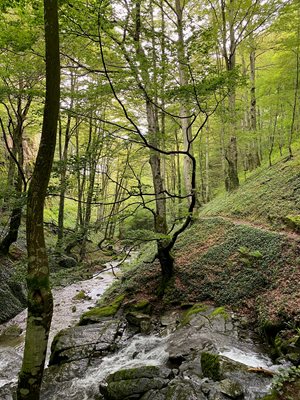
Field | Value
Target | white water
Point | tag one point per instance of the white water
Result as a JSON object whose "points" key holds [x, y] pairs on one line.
{"points": [[249, 358], [141, 351], [63, 317]]}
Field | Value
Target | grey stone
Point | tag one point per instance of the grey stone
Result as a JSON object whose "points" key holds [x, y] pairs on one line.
{"points": [[85, 341], [182, 389], [133, 382], [231, 388], [140, 321]]}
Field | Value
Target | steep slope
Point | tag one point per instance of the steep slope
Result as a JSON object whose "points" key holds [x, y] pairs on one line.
{"points": [[269, 196]]}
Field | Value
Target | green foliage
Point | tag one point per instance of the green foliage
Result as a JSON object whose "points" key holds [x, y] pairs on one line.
{"points": [[195, 309], [286, 375], [97, 313], [267, 196], [220, 311], [210, 364]]}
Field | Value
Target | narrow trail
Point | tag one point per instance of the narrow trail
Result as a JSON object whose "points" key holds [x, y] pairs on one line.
{"points": [[236, 221]]}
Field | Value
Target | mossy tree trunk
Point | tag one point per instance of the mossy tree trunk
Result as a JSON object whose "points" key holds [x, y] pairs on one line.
{"points": [[40, 302]]}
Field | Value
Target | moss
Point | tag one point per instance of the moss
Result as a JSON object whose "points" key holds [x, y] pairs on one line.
{"points": [[97, 313], [220, 311], [271, 396], [293, 222], [210, 364], [81, 295], [197, 308], [142, 306]]}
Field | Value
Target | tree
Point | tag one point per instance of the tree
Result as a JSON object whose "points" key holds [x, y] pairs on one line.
{"points": [[40, 303]]}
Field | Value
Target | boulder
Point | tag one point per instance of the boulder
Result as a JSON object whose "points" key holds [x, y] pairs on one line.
{"points": [[180, 389], [135, 382], [140, 321], [86, 341], [13, 297], [232, 389]]}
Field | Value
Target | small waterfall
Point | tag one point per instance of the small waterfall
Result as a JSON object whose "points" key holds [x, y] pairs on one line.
{"points": [[139, 351]]}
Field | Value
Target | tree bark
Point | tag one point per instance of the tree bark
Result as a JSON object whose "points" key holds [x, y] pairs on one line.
{"points": [[40, 303], [184, 112]]}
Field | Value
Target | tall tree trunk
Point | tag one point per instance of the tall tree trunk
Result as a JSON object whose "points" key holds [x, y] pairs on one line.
{"points": [[296, 91], [63, 170], [231, 179], [184, 111], [40, 303]]}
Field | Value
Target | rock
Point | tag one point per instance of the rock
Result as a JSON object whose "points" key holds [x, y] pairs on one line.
{"points": [[154, 395], [97, 314], [85, 341], [142, 306], [180, 389], [133, 383], [140, 321], [232, 389], [13, 297], [8, 391], [210, 364]]}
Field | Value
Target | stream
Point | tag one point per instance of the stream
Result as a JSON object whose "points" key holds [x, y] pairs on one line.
{"points": [[79, 379], [66, 313]]}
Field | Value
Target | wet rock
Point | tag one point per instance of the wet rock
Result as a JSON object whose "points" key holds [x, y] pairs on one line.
{"points": [[13, 296], [140, 321], [180, 389], [210, 364], [86, 341], [232, 389], [8, 391], [154, 395], [10, 364], [133, 383]]}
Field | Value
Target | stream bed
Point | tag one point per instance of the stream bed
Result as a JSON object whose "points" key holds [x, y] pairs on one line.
{"points": [[85, 357], [66, 313]]}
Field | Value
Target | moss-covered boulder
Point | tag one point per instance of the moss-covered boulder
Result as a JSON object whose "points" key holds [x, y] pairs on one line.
{"points": [[141, 322], [231, 388], [210, 364], [101, 312], [142, 306], [135, 382]]}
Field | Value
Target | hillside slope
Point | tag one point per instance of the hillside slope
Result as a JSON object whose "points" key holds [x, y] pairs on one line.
{"points": [[270, 196]]}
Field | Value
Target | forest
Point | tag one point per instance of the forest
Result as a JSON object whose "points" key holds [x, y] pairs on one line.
{"points": [[150, 199]]}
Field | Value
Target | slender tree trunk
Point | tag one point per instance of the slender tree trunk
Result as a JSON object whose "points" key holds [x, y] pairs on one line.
{"points": [[296, 91], [17, 182], [40, 304], [184, 111]]}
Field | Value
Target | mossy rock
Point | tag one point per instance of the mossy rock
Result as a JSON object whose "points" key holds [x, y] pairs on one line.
{"points": [[96, 314], [232, 389], [210, 364], [196, 309], [143, 306], [81, 296], [133, 383], [140, 321], [220, 311]]}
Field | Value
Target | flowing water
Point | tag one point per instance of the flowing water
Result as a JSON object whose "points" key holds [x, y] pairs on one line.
{"points": [[66, 313], [138, 351]]}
